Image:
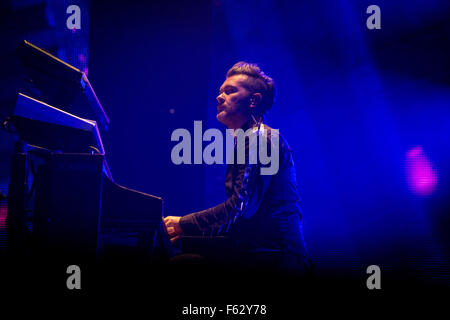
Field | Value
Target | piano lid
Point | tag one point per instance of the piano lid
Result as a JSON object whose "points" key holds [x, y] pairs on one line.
{"points": [[61, 84], [41, 124]]}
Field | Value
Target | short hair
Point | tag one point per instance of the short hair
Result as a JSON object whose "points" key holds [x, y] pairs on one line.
{"points": [[257, 81]]}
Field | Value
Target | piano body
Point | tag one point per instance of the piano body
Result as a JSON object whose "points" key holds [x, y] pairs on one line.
{"points": [[63, 203], [66, 203]]}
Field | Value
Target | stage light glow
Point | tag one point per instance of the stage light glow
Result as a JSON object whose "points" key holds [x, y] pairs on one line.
{"points": [[3, 214], [81, 58], [421, 176]]}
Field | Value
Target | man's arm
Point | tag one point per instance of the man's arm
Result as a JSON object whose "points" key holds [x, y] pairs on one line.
{"points": [[248, 192], [249, 188]]}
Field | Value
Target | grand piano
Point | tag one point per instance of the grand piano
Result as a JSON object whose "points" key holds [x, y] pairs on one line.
{"points": [[63, 202]]}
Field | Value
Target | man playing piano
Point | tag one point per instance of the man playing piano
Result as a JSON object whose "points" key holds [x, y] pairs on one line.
{"points": [[262, 216]]}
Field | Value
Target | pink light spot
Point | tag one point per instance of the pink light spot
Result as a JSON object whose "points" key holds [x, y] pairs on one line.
{"points": [[3, 214], [82, 57], [421, 176], [86, 71]]}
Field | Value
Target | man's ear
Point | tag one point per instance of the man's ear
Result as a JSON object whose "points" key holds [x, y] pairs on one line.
{"points": [[255, 100]]}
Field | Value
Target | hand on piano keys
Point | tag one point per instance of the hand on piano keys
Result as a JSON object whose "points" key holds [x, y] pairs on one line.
{"points": [[172, 225]]}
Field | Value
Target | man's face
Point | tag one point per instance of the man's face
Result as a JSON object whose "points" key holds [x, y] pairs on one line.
{"points": [[233, 102]]}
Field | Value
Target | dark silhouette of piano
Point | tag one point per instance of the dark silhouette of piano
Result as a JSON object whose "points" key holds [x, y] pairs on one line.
{"points": [[63, 203]]}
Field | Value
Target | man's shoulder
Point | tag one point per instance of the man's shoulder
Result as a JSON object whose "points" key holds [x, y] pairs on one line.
{"points": [[274, 136]]}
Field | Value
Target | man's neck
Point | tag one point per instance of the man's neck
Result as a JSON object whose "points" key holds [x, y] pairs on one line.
{"points": [[243, 124], [238, 124]]}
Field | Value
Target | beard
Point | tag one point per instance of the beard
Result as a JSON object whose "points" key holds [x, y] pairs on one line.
{"points": [[222, 117], [230, 117]]}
